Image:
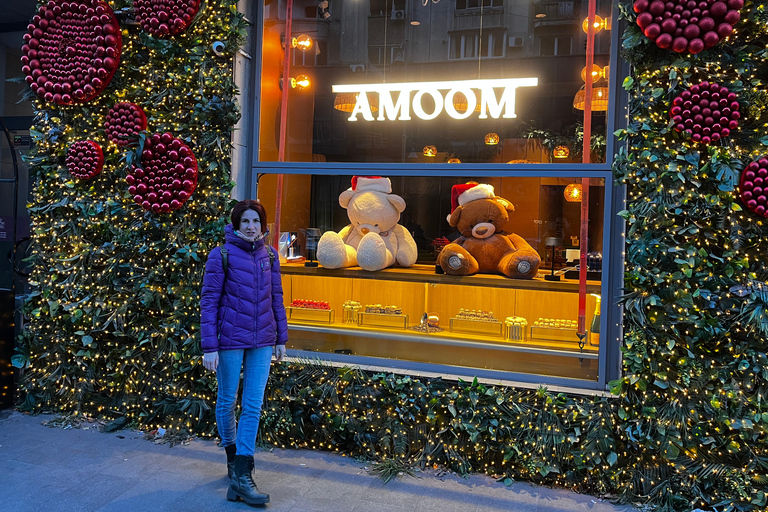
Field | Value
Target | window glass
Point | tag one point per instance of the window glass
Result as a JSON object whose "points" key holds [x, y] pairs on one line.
{"points": [[389, 77], [485, 321]]}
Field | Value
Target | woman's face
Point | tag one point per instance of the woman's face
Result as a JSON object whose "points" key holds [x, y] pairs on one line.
{"points": [[250, 224]]}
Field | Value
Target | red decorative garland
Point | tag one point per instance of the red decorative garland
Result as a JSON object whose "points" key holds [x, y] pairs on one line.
{"points": [[124, 122], [754, 187], [162, 18], [309, 304], [71, 51], [706, 112], [167, 176], [85, 159], [687, 25]]}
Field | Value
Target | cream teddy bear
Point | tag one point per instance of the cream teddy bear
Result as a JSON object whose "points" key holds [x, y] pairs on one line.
{"points": [[374, 240]]}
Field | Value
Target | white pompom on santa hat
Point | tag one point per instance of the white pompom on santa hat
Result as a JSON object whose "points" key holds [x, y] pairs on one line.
{"points": [[463, 193], [371, 184]]}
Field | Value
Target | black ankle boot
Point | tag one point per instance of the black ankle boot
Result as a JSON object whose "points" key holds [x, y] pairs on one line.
{"points": [[242, 485], [231, 450]]}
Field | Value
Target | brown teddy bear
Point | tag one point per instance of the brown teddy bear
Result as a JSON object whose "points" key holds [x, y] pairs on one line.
{"points": [[483, 247]]}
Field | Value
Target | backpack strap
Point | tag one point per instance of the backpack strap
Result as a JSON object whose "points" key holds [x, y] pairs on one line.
{"points": [[271, 252], [224, 260]]}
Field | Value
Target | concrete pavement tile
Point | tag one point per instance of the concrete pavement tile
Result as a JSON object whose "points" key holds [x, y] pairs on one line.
{"points": [[324, 504], [406, 492], [559, 500], [93, 494], [141, 464], [32, 479], [209, 495], [161, 490], [509, 503], [447, 505], [334, 484], [372, 506]]}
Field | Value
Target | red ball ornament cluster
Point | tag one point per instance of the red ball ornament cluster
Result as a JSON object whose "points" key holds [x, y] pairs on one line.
{"points": [[85, 159], [162, 18], [310, 304], [124, 122], [167, 176], [71, 51], [706, 112], [754, 187], [687, 25]]}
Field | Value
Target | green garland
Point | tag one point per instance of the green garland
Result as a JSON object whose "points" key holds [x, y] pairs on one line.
{"points": [[114, 313]]}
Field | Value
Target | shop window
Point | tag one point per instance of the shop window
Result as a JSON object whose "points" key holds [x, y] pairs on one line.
{"points": [[419, 313], [375, 76]]}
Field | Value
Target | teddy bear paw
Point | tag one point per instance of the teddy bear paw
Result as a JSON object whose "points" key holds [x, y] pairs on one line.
{"points": [[331, 250], [372, 253], [524, 267], [455, 261]]}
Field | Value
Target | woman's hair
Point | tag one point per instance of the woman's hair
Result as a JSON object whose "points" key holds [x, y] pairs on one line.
{"points": [[243, 206]]}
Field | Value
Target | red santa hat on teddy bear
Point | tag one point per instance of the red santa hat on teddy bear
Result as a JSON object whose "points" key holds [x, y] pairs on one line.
{"points": [[463, 193], [371, 184]]}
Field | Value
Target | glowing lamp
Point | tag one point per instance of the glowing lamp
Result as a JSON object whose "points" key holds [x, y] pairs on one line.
{"points": [[346, 101], [430, 151], [599, 97], [454, 161], [491, 139], [561, 152], [461, 104], [301, 82], [599, 24], [303, 42], [597, 73], [572, 193]]}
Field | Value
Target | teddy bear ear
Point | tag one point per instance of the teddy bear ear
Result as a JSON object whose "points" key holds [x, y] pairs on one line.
{"points": [[345, 197], [453, 218], [397, 201], [506, 204]]}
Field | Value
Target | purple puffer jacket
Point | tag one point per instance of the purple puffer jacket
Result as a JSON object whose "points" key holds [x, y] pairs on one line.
{"points": [[245, 309]]}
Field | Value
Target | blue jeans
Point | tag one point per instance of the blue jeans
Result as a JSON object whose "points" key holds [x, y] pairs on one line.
{"points": [[254, 363]]}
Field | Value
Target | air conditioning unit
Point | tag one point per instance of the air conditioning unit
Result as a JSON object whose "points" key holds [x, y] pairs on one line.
{"points": [[357, 67], [516, 41], [398, 14]]}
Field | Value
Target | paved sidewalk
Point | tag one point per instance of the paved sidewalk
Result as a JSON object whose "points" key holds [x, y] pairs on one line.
{"points": [[55, 469]]}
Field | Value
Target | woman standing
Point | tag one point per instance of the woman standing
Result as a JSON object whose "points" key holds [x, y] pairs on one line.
{"points": [[242, 324]]}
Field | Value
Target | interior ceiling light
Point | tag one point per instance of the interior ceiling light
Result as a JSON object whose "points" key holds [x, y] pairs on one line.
{"points": [[573, 193]]}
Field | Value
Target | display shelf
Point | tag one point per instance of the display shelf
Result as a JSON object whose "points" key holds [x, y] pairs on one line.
{"points": [[554, 334], [418, 290], [470, 341], [323, 316], [382, 320], [426, 274], [468, 326]]}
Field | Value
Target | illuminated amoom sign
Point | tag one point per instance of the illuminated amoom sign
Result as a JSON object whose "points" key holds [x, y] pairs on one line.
{"points": [[477, 92]]}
